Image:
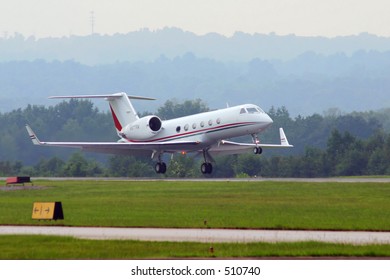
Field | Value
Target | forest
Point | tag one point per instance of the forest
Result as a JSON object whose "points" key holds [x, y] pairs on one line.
{"points": [[331, 144]]}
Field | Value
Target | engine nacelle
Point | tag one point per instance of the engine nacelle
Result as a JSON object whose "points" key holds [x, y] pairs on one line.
{"points": [[142, 129]]}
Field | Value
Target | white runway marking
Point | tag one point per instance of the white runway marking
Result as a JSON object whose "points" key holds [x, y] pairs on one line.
{"points": [[202, 235]]}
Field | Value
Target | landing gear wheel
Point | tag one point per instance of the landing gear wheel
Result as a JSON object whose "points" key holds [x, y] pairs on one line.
{"points": [[257, 150], [160, 167], [206, 168]]}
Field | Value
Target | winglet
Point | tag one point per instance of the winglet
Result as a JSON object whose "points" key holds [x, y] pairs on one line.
{"points": [[32, 135], [283, 138]]}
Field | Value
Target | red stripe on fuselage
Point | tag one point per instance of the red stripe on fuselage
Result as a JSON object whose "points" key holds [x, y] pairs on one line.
{"points": [[194, 132], [116, 121]]}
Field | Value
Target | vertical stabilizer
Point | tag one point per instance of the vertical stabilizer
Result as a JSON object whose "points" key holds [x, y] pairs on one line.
{"points": [[122, 110]]}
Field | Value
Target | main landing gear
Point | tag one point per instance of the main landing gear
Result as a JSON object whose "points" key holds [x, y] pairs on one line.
{"points": [[160, 167], [206, 167]]}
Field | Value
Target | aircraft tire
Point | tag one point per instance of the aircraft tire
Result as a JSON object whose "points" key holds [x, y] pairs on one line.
{"points": [[160, 167], [257, 150], [164, 168], [206, 168]]}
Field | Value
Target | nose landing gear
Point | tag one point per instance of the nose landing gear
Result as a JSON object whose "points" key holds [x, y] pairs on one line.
{"points": [[257, 150]]}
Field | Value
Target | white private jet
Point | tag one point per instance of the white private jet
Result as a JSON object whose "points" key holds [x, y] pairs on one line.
{"points": [[203, 133]]}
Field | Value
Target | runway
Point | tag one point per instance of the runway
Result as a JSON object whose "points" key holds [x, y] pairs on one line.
{"points": [[254, 179], [202, 235]]}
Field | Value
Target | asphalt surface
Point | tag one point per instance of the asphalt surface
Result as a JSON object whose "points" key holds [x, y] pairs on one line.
{"points": [[202, 235], [254, 179]]}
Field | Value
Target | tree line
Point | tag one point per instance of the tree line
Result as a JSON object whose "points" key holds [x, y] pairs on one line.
{"points": [[332, 144]]}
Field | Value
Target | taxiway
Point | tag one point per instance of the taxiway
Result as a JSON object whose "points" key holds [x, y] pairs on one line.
{"points": [[202, 235]]}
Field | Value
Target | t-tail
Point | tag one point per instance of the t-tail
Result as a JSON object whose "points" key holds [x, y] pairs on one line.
{"points": [[123, 112]]}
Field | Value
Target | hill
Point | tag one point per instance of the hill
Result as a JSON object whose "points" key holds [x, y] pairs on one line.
{"points": [[147, 45], [310, 83]]}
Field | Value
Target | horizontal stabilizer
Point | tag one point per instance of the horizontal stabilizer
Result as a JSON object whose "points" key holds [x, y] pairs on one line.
{"points": [[109, 96]]}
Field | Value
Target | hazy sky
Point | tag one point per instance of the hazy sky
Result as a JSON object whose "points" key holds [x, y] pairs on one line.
{"points": [[44, 18]]}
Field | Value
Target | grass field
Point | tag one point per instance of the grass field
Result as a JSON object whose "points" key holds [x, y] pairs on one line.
{"points": [[49, 247], [274, 205]]}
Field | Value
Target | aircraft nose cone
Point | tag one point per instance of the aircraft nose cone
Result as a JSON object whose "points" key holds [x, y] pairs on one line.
{"points": [[268, 119]]}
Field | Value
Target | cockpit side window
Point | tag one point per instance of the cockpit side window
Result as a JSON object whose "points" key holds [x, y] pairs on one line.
{"points": [[243, 111]]}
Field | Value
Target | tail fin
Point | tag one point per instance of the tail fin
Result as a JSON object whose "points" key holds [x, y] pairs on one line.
{"points": [[121, 108]]}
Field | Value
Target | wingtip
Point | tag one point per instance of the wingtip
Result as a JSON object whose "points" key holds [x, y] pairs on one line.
{"points": [[32, 135], [283, 138]]}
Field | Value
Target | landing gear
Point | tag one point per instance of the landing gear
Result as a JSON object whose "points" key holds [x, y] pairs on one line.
{"points": [[206, 168], [160, 167], [257, 150]]}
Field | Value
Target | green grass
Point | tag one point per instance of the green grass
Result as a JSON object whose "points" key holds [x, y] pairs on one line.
{"points": [[49, 247], [274, 205]]}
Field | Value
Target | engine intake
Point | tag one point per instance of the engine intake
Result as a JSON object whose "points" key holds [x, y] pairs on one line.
{"points": [[142, 129], [155, 123]]}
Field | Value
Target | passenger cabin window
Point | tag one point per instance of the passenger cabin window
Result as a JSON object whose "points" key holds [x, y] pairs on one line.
{"points": [[186, 127], [178, 129], [202, 123], [210, 122]]}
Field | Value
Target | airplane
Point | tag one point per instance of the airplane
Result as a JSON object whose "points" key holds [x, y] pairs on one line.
{"points": [[204, 133]]}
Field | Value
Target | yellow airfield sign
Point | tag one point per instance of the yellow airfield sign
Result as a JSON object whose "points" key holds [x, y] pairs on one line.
{"points": [[47, 211]]}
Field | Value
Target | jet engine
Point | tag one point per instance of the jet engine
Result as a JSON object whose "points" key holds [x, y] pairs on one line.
{"points": [[142, 129]]}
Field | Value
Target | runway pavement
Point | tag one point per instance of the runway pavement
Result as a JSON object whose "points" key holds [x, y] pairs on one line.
{"points": [[202, 235], [253, 179]]}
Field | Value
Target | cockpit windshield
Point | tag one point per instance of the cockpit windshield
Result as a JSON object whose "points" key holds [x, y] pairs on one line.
{"points": [[251, 110], [260, 110]]}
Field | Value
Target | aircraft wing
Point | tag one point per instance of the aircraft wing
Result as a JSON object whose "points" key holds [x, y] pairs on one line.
{"points": [[122, 148], [229, 148]]}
